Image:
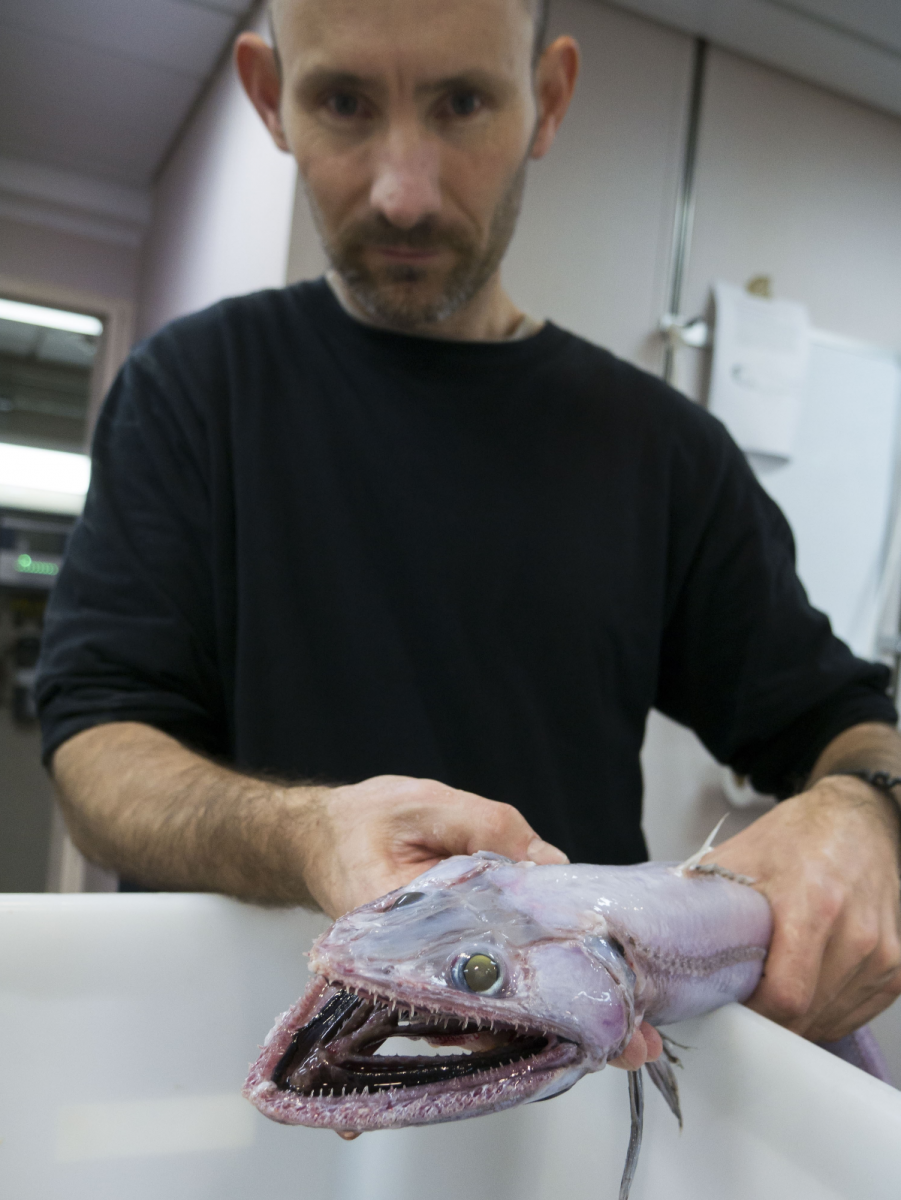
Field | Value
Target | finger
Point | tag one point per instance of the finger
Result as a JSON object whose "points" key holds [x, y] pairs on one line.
{"points": [[791, 973], [653, 1041], [826, 1029], [463, 823], [645, 1046], [502, 829], [861, 965], [870, 992], [542, 852], [841, 1006]]}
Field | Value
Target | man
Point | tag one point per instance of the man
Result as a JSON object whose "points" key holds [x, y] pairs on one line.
{"points": [[354, 537]]}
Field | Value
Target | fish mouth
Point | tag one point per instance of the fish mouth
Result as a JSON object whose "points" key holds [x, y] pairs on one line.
{"points": [[327, 1063]]}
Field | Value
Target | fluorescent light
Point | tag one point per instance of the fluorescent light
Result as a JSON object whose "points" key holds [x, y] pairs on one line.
{"points": [[43, 480], [50, 318]]}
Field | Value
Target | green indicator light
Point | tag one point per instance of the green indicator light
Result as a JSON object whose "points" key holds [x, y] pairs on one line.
{"points": [[26, 565]]}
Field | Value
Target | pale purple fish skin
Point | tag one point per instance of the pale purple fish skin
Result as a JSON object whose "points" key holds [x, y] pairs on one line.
{"points": [[692, 943]]}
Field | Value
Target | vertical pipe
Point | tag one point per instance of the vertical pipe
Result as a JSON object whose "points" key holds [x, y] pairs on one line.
{"points": [[685, 206]]}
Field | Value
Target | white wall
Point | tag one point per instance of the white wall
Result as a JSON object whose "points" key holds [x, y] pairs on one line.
{"points": [[222, 210], [306, 258], [593, 247], [803, 185]]}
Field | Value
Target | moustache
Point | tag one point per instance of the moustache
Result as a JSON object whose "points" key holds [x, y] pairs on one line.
{"points": [[427, 235]]}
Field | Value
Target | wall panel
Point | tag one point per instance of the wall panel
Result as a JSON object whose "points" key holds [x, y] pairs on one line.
{"points": [[798, 183], [593, 247], [222, 210]]}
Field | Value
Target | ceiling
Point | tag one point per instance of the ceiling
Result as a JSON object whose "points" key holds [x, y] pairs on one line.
{"points": [[94, 92], [850, 46], [101, 86]]}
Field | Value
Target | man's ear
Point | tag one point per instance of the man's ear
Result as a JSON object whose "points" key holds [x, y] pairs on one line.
{"points": [[555, 82], [256, 64]]}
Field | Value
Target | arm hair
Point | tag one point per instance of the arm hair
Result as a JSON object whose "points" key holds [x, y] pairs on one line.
{"points": [[139, 803]]}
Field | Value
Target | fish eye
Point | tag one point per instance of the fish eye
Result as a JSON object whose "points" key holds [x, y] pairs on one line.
{"points": [[405, 899], [479, 972]]}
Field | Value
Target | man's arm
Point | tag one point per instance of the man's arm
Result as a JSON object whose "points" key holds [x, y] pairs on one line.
{"points": [[828, 862], [141, 804]]}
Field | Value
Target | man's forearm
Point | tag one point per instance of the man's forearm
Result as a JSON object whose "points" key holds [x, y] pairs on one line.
{"points": [[139, 803], [865, 748], [871, 747]]}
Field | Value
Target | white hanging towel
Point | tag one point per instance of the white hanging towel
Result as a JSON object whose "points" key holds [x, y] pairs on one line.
{"points": [[761, 360]]}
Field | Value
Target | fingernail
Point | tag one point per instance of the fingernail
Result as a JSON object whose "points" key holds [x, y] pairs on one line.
{"points": [[543, 852]]}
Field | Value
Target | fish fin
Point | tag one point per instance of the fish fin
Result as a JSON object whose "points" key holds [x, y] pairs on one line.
{"points": [[668, 1045], [636, 1107], [664, 1079], [691, 863], [695, 866]]}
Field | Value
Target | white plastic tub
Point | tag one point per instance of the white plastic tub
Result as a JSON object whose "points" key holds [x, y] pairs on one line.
{"points": [[127, 1024]]}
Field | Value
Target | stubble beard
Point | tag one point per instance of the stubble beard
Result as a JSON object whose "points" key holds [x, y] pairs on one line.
{"points": [[393, 296]]}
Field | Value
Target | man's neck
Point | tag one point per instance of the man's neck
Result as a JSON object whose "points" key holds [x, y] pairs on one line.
{"points": [[491, 316]]}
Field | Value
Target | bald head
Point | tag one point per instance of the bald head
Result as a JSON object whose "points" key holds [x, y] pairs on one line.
{"points": [[538, 9]]}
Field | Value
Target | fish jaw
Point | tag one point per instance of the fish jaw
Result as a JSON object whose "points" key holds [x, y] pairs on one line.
{"points": [[299, 1079]]}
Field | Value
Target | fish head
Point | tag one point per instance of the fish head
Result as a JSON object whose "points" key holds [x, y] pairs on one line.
{"points": [[482, 984]]}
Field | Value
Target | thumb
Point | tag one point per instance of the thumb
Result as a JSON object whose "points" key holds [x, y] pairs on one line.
{"points": [[540, 851], [481, 824]]}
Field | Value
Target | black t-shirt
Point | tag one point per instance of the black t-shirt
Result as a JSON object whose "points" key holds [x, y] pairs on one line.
{"points": [[329, 552]]}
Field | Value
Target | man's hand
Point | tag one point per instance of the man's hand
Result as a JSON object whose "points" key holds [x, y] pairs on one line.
{"points": [[369, 838], [827, 861]]}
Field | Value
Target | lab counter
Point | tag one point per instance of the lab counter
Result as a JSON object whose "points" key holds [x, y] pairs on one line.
{"points": [[127, 1023]]}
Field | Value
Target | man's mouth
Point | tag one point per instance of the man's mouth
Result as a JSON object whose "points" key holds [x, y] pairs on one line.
{"points": [[336, 1053], [409, 253]]}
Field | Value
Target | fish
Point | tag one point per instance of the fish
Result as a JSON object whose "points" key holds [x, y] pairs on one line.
{"points": [[503, 983]]}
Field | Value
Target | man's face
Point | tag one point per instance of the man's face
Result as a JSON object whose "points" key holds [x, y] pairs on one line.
{"points": [[411, 122]]}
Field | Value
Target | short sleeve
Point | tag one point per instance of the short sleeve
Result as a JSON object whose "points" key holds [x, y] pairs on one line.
{"points": [[746, 661], [130, 631]]}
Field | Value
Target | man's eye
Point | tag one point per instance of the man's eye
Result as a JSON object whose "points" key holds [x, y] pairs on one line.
{"points": [[465, 104], [344, 104]]}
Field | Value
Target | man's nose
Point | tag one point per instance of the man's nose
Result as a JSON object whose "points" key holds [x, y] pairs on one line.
{"points": [[406, 187]]}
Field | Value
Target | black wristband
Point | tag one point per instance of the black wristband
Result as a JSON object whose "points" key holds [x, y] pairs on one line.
{"points": [[880, 780]]}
